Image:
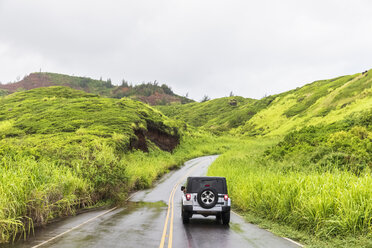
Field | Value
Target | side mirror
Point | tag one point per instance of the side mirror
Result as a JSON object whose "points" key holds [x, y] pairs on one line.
{"points": [[182, 188]]}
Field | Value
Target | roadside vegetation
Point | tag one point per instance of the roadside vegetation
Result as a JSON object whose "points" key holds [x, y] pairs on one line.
{"points": [[316, 181], [63, 149], [301, 164], [35, 190], [297, 163]]}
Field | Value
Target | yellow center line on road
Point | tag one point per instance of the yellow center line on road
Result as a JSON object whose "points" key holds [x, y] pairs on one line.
{"points": [[166, 219], [171, 221], [170, 211]]}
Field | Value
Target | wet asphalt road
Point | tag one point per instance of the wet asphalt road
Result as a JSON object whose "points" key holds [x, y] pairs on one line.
{"points": [[141, 223]]}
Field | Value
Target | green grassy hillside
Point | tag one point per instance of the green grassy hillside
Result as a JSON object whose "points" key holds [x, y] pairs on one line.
{"points": [[150, 93], [303, 164], [64, 110], [63, 149], [344, 145], [217, 115], [321, 102], [316, 204], [298, 163]]}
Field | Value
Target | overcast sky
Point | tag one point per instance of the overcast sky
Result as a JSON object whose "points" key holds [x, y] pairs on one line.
{"points": [[253, 48]]}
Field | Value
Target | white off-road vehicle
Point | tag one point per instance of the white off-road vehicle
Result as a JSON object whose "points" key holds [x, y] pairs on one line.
{"points": [[206, 196]]}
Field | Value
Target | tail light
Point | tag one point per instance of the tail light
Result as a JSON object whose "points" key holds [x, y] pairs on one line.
{"points": [[188, 197], [225, 197]]}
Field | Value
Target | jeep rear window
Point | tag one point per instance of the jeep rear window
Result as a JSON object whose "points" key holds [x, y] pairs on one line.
{"points": [[198, 184]]}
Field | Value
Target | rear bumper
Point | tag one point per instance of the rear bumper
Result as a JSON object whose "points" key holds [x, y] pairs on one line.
{"points": [[192, 206], [211, 211]]}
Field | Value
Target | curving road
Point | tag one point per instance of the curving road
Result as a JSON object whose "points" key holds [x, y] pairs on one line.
{"points": [[152, 219]]}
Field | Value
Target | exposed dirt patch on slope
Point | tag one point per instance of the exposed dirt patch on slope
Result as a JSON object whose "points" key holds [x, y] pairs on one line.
{"points": [[139, 143], [163, 140], [34, 80]]}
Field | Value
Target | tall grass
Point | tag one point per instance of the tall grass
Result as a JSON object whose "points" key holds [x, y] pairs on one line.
{"points": [[324, 204], [33, 192], [36, 190]]}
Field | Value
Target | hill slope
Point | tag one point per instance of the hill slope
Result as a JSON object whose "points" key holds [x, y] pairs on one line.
{"points": [[63, 111], [63, 149], [150, 93], [303, 164], [321, 102], [324, 101], [217, 115]]}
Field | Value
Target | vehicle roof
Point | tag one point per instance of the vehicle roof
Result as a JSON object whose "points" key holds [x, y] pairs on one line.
{"points": [[206, 178], [193, 180]]}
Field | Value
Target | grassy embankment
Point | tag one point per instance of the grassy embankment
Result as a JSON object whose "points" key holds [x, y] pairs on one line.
{"points": [[303, 165], [63, 149], [315, 184]]}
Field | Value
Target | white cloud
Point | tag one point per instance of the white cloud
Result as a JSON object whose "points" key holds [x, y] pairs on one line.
{"points": [[201, 47]]}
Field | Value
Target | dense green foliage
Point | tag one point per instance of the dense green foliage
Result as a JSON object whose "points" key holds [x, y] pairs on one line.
{"points": [[144, 89], [159, 95]]}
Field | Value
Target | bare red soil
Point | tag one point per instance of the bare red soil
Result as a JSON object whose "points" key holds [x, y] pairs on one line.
{"points": [[32, 81]]}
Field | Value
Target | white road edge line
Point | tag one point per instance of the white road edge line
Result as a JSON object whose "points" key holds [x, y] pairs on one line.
{"points": [[85, 222], [282, 237], [237, 214], [294, 242]]}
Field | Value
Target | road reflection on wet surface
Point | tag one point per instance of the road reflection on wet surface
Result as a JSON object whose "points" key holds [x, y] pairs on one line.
{"points": [[140, 223]]}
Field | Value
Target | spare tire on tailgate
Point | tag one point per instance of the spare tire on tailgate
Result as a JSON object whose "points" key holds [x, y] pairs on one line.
{"points": [[207, 197]]}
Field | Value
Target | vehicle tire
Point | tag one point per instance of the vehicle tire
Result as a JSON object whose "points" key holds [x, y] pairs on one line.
{"points": [[226, 218], [207, 197], [185, 217], [218, 218]]}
